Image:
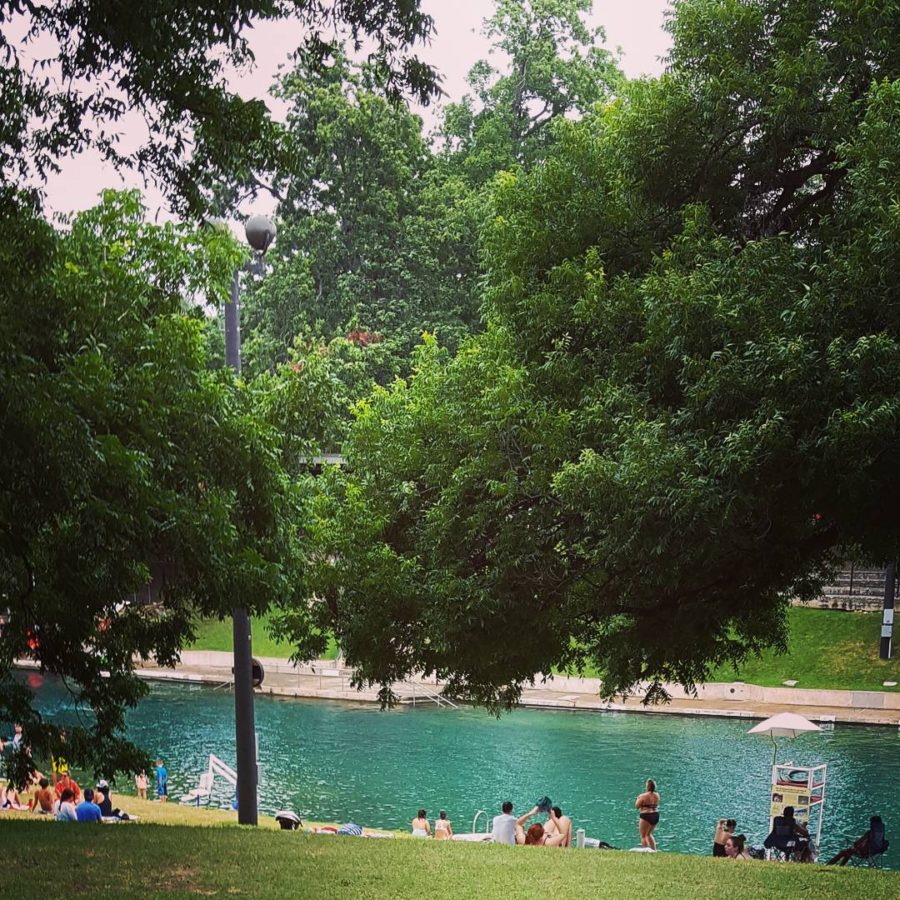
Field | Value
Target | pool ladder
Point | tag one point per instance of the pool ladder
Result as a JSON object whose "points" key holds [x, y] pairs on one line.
{"points": [[426, 694], [487, 821]]}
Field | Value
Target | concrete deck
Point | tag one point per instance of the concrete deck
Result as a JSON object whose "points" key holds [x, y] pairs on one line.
{"points": [[326, 680]]}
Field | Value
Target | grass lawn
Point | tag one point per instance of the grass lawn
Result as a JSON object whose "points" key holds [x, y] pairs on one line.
{"points": [[826, 649], [44, 859], [215, 635]]}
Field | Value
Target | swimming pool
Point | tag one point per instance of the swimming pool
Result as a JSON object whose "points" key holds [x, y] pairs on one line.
{"points": [[343, 762]]}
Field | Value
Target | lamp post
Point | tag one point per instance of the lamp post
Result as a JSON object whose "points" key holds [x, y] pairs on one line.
{"points": [[260, 234]]}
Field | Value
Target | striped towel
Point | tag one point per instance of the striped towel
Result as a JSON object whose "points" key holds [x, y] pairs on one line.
{"points": [[350, 828]]}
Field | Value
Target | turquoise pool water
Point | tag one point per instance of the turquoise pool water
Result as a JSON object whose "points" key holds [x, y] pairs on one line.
{"points": [[341, 762]]}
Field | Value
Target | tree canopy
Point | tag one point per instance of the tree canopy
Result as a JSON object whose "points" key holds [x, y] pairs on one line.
{"points": [[556, 69], [372, 241], [128, 460], [378, 225], [166, 62], [686, 402], [125, 459]]}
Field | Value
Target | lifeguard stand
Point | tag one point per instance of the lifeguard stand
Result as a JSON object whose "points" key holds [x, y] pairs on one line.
{"points": [[802, 787]]}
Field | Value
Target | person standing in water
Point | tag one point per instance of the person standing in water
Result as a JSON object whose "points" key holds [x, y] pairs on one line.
{"points": [[647, 805]]}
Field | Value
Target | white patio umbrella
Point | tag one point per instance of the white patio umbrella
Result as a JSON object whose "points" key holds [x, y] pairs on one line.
{"points": [[784, 724]]}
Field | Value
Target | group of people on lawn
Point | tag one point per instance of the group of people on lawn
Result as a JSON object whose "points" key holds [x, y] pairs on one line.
{"points": [[554, 831], [64, 799]]}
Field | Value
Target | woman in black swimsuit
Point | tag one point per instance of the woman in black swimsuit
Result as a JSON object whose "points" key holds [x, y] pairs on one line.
{"points": [[647, 805]]}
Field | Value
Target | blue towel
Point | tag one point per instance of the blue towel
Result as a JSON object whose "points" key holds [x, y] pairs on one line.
{"points": [[350, 828]]}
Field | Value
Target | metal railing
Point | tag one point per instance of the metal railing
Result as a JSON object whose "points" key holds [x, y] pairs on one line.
{"points": [[427, 693]]}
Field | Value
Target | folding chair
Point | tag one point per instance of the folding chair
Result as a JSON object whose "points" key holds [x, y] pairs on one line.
{"points": [[782, 841], [878, 843]]}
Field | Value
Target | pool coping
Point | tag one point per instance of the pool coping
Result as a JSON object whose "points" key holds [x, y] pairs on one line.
{"points": [[328, 680]]}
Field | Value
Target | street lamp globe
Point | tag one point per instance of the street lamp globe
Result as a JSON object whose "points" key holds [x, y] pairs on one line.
{"points": [[260, 233]]}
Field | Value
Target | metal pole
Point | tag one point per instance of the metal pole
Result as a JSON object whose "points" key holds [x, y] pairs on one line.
{"points": [[887, 621], [233, 325], [244, 720]]}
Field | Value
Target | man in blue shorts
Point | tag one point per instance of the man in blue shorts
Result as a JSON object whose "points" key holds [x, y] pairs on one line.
{"points": [[162, 782]]}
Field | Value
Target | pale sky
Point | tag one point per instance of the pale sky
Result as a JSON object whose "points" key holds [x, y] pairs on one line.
{"points": [[634, 26]]}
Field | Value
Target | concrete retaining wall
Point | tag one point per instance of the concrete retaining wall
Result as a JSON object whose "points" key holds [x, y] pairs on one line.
{"points": [[217, 665], [738, 691]]}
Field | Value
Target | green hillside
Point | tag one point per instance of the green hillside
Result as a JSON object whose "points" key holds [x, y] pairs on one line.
{"points": [[826, 649]]}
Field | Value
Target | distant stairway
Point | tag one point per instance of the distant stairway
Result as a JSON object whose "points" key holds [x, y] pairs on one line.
{"points": [[854, 588]]}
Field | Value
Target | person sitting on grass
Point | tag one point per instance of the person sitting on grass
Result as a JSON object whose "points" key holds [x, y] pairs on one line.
{"points": [[66, 810], [503, 830], [443, 830], [103, 799], [724, 829], [420, 826], [10, 799], [871, 843], [537, 837], [44, 799], [87, 810], [557, 823], [735, 847], [66, 782]]}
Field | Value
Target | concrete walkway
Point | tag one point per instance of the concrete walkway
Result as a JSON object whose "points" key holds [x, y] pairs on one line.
{"points": [[326, 680]]}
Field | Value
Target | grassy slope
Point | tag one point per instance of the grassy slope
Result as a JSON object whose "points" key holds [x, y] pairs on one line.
{"points": [[215, 635], [152, 860], [826, 649]]}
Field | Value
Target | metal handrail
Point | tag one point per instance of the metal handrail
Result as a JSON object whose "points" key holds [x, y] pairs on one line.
{"points": [[480, 812], [429, 694]]}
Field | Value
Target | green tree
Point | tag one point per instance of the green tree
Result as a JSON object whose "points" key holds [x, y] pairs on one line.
{"points": [[306, 400], [368, 238], [556, 69], [167, 61], [124, 457], [377, 231], [689, 397]]}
